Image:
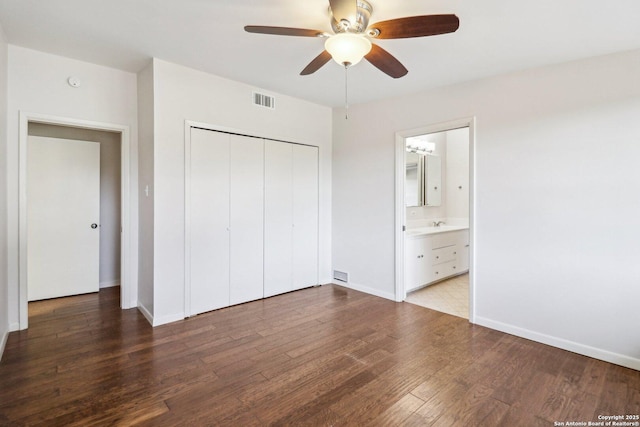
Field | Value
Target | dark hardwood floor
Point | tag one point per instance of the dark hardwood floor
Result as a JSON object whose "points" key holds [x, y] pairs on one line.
{"points": [[324, 356]]}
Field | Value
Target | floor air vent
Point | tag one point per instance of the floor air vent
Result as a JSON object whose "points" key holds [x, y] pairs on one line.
{"points": [[264, 100], [341, 276]]}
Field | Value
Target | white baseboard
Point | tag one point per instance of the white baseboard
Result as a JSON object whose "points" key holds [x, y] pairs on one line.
{"points": [[585, 350], [14, 327], [3, 343], [157, 321], [326, 280], [366, 290], [110, 284], [142, 309]]}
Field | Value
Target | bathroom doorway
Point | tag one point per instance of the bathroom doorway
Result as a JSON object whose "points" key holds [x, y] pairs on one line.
{"points": [[434, 217]]}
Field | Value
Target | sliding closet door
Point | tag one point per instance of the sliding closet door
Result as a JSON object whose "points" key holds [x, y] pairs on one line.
{"points": [[305, 216], [278, 218], [247, 207], [209, 221]]}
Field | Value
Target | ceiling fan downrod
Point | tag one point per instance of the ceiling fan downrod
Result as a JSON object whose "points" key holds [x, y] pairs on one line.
{"points": [[346, 91]]}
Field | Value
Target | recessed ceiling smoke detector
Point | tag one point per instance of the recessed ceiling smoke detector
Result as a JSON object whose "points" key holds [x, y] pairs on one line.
{"points": [[74, 82]]}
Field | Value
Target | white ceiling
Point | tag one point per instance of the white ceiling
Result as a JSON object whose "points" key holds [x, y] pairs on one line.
{"points": [[495, 36]]}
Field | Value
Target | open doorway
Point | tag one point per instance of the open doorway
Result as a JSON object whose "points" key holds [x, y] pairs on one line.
{"points": [[114, 141], [95, 246], [434, 216]]}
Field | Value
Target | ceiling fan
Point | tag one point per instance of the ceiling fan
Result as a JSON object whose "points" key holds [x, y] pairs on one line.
{"points": [[352, 36]]}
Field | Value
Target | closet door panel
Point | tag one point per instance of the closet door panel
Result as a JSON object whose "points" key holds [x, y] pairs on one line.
{"points": [[278, 218], [305, 216], [209, 221], [247, 222]]}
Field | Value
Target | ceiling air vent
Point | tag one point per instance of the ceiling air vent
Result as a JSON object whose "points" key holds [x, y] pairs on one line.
{"points": [[264, 100]]}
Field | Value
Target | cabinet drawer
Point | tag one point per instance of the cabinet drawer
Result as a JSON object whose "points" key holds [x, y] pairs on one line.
{"points": [[446, 254], [442, 240], [443, 270]]}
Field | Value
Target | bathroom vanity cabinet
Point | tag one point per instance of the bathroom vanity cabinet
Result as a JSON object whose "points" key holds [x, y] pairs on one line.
{"points": [[433, 256]]}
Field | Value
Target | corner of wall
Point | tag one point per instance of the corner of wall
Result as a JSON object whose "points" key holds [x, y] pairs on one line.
{"points": [[3, 343], [4, 247], [145, 312], [146, 135]]}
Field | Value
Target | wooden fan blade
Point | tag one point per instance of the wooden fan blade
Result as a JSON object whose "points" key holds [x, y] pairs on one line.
{"points": [[316, 64], [344, 9], [385, 62], [416, 26], [282, 31]]}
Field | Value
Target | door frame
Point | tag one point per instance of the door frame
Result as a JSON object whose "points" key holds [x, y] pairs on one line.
{"points": [[128, 298], [400, 209]]}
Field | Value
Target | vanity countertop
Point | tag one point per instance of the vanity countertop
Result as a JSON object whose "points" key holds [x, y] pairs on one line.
{"points": [[421, 231]]}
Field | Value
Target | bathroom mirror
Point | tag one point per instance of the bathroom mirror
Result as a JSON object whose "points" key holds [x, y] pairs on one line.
{"points": [[433, 180], [423, 181], [414, 180]]}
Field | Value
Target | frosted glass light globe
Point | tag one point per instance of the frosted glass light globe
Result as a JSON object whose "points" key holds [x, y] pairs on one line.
{"points": [[347, 48]]}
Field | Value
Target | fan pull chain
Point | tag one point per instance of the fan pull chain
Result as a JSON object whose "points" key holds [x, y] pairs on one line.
{"points": [[346, 91]]}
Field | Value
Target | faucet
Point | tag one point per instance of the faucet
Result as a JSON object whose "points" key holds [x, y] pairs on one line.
{"points": [[438, 223]]}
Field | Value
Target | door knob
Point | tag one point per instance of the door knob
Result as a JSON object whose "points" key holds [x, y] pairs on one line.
{"points": [[94, 225]]}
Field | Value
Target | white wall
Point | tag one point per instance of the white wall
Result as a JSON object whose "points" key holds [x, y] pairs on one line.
{"points": [[557, 199], [4, 303], [186, 94], [38, 84], [145, 188], [109, 192]]}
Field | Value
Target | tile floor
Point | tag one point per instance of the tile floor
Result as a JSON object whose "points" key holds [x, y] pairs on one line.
{"points": [[450, 296]]}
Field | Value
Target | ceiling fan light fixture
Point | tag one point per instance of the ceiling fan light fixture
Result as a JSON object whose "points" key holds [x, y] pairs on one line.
{"points": [[347, 48]]}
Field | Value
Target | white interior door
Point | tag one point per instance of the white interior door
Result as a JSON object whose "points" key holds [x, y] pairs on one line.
{"points": [[305, 216], [63, 215], [278, 218], [246, 218], [209, 235]]}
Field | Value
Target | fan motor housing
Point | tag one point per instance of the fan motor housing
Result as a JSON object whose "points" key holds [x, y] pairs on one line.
{"points": [[361, 21]]}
